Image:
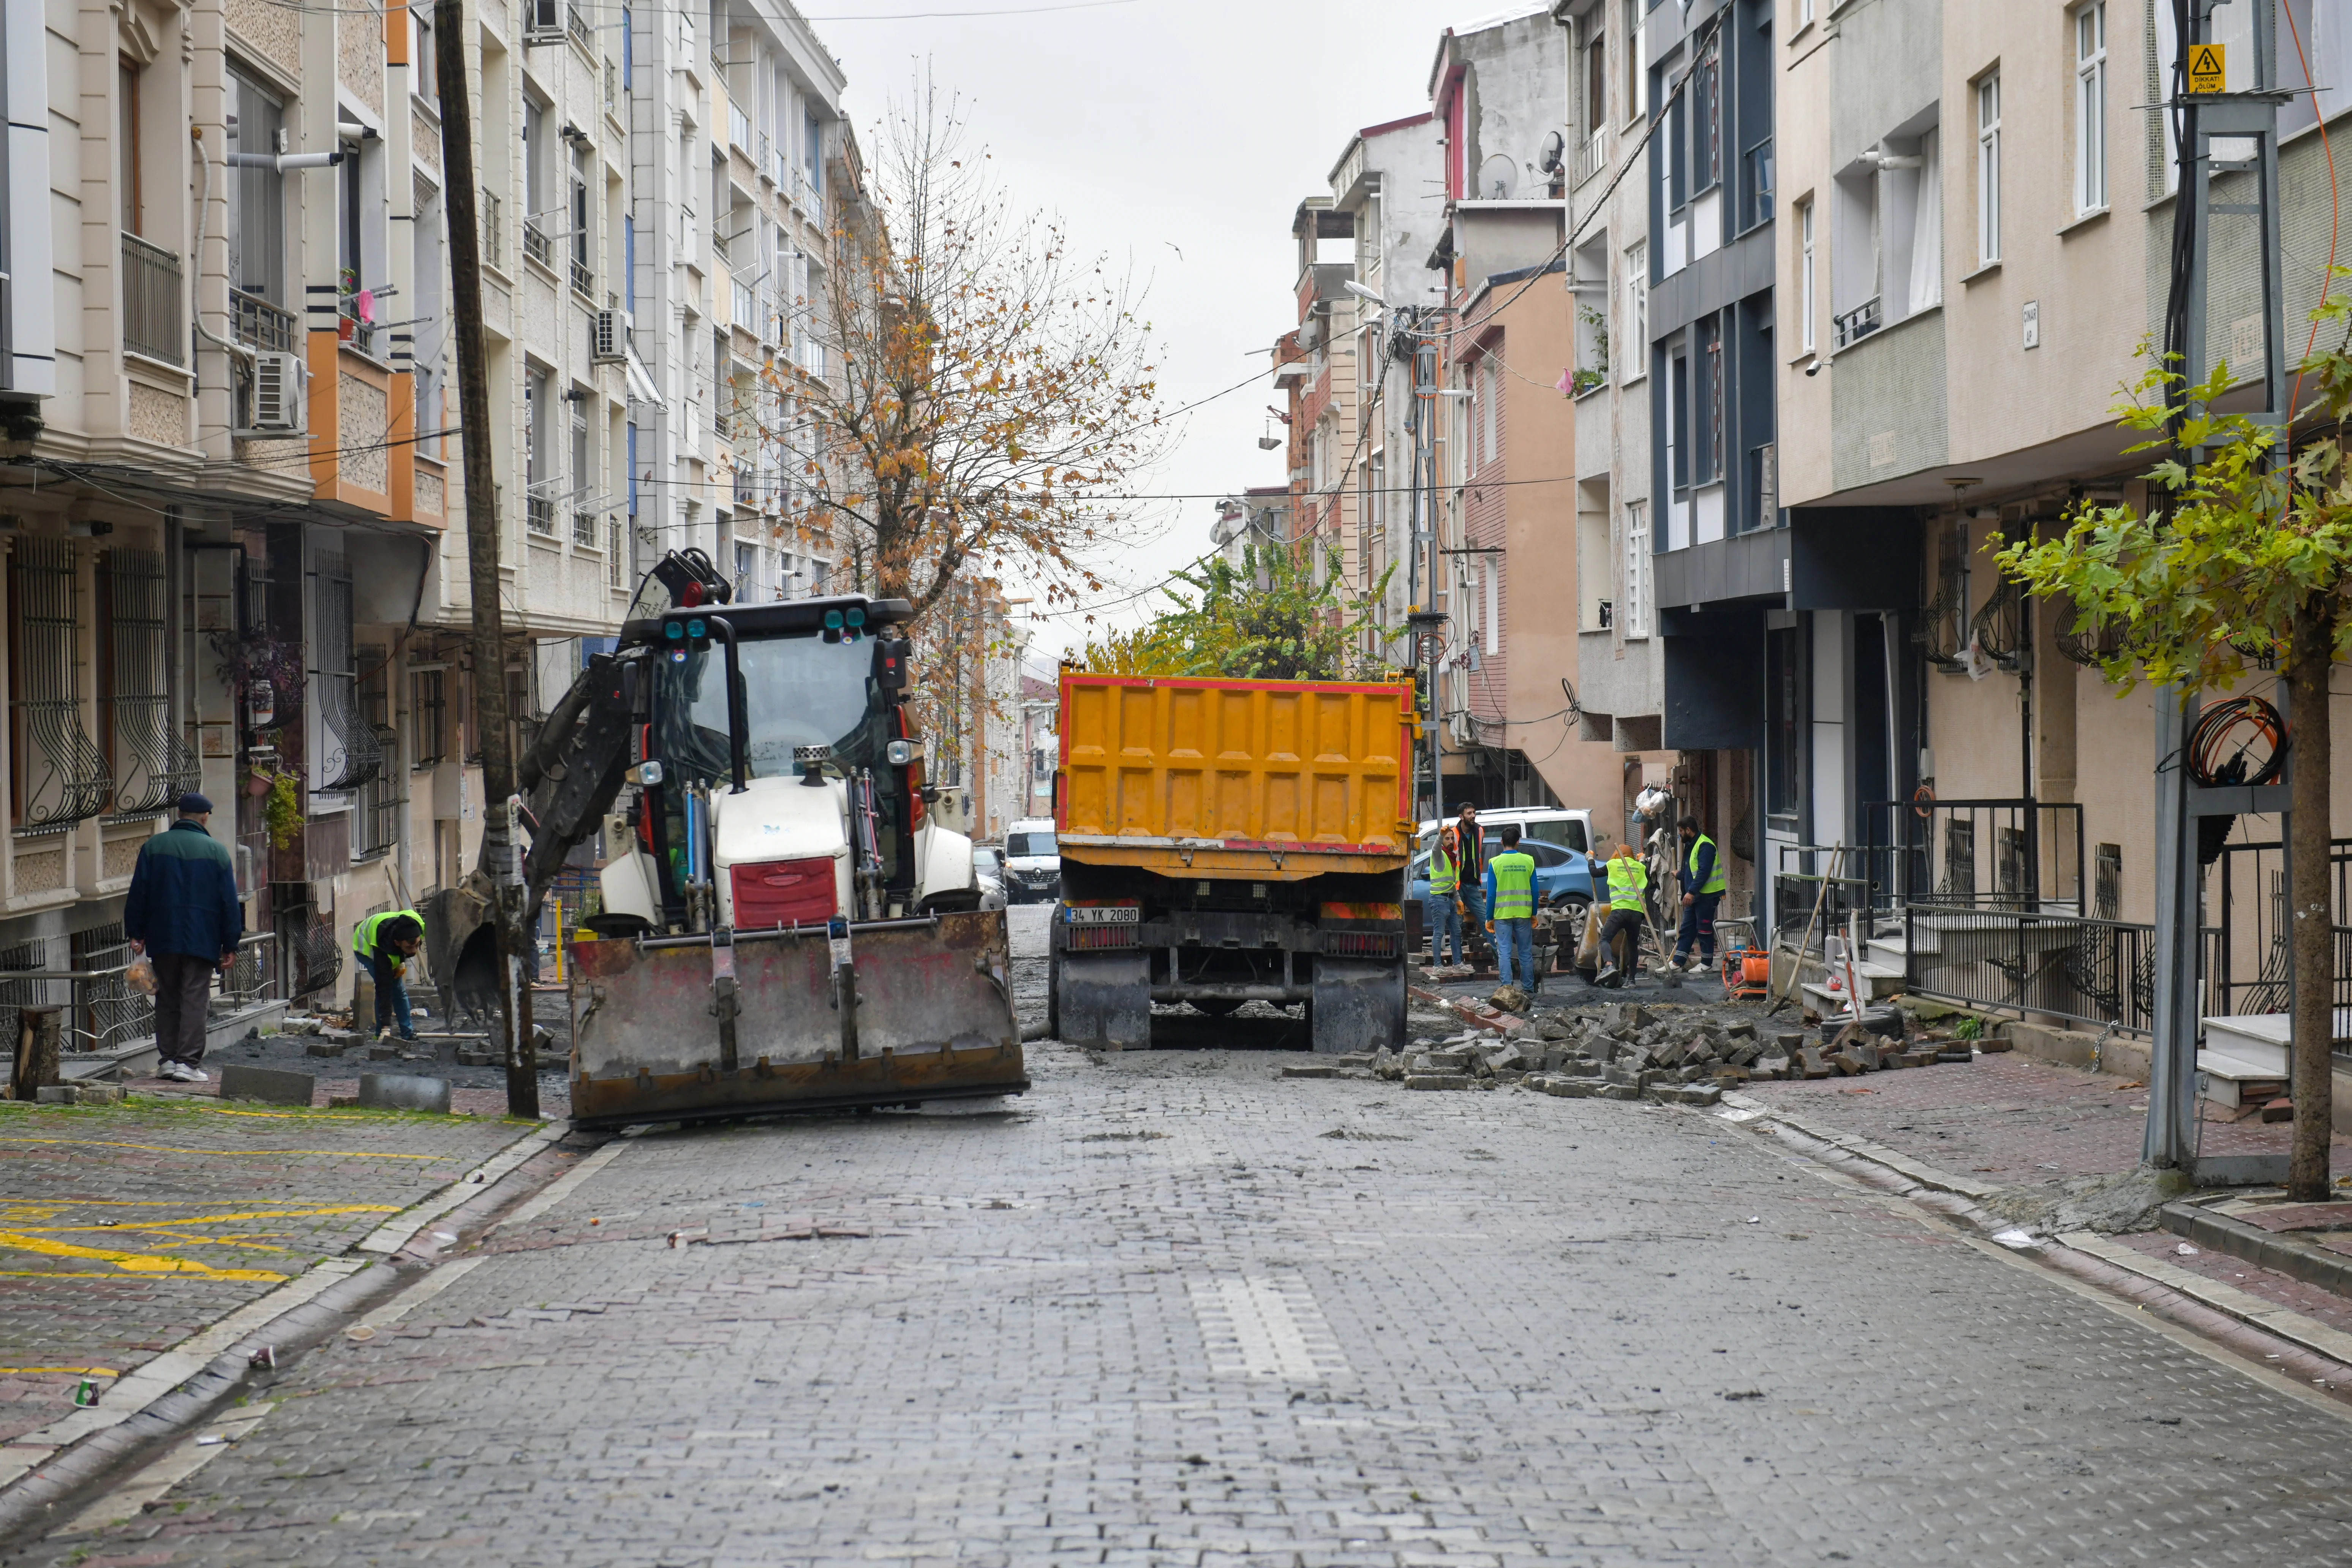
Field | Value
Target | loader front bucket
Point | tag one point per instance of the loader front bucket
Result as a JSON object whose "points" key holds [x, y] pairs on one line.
{"points": [[674, 1028]]}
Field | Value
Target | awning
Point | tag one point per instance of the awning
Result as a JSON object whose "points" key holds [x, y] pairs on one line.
{"points": [[643, 388]]}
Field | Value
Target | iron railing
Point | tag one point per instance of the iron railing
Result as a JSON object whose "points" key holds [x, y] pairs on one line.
{"points": [[259, 972], [583, 280], [257, 323], [535, 243], [575, 22], [2068, 967], [153, 318], [538, 513], [584, 529], [1852, 326], [1820, 886], [2011, 854], [102, 1010]]}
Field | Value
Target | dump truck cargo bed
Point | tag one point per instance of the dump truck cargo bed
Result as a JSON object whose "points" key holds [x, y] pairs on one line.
{"points": [[1264, 779]]}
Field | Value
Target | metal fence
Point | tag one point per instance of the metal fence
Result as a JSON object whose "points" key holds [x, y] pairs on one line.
{"points": [[2068, 967], [2003, 854]]}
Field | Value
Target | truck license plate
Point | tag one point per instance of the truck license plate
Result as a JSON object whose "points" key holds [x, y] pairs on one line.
{"points": [[1105, 915]]}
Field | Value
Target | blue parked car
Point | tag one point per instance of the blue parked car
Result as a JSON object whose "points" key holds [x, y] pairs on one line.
{"points": [[1562, 875]]}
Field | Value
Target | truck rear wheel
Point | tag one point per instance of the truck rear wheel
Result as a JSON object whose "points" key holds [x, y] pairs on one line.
{"points": [[1358, 1004]]}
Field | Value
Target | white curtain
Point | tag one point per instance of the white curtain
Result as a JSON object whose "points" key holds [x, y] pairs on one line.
{"points": [[1927, 229]]}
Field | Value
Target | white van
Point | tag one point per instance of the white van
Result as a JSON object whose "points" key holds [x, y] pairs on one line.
{"points": [[1033, 862]]}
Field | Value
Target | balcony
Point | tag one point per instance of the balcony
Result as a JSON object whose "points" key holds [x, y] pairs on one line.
{"points": [[539, 515], [584, 529], [1590, 158], [536, 244], [575, 23], [1858, 323], [584, 281], [258, 324], [153, 321]]}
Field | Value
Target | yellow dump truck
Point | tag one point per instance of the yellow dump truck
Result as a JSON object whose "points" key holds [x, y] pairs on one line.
{"points": [[1232, 841]]}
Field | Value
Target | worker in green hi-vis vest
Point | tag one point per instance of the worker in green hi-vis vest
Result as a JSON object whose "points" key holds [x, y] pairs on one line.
{"points": [[1703, 879], [383, 944], [1629, 885], [1441, 913], [1511, 895]]}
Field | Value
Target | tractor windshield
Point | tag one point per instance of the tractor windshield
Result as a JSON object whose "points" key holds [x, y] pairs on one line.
{"points": [[798, 691]]}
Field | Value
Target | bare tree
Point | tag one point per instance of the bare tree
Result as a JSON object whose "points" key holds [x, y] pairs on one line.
{"points": [[986, 395]]}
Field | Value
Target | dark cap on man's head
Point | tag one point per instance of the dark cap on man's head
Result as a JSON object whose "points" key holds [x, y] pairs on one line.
{"points": [[193, 804]]}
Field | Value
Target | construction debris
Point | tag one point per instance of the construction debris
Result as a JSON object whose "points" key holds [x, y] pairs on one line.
{"points": [[1668, 1053]]}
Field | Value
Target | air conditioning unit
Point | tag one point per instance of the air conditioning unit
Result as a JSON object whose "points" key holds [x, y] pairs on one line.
{"points": [[608, 339], [278, 404]]}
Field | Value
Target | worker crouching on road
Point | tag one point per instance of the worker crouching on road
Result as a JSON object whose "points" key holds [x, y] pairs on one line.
{"points": [[1511, 895], [384, 943], [1629, 885], [1703, 881]]}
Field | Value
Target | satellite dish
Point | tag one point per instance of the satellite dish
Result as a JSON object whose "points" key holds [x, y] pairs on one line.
{"points": [[1499, 178], [1553, 158]]}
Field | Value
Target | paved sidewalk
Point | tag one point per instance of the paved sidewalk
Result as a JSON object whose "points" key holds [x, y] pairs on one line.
{"points": [[123, 1229], [2007, 1120]]}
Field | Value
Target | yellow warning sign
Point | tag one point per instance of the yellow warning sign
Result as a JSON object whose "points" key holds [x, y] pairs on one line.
{"points": [[2207, 65]]}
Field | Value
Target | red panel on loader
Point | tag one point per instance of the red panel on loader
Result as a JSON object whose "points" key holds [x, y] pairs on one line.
{"points": [[783, 893]]}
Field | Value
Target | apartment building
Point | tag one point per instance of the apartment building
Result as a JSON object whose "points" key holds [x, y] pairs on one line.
{"points": [[1320, 380], [1980, 211], [1718, 546], [1386, 188], [231, 492], [1251, 520], [1620, 686], [737, 151], [1507, 426]]}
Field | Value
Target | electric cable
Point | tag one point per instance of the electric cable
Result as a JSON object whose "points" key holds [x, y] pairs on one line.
{"points": [[2220, 745]]}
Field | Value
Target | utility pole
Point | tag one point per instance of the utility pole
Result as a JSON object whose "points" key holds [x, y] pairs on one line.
{"points": [[1423, 617], [498, 864], [2224, 125]]}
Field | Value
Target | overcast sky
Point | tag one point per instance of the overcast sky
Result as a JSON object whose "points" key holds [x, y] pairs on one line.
{"points": [[1155, 127]]}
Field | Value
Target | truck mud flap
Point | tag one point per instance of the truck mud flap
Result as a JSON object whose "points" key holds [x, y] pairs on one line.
{"points": [[929, 1017], [1358, 1004], [1105, 999]]}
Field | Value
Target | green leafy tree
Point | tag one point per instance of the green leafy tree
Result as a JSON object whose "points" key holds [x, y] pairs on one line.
{"points": [[1265, 619], [2249, 548]]}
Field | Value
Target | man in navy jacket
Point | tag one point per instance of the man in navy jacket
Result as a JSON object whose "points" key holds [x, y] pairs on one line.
{"points": [[182, 912]]}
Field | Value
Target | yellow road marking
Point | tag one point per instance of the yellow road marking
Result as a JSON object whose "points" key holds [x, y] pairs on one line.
{"points": [[174, 1149], [129, 1262], [70, 1371], [248, 1213]]}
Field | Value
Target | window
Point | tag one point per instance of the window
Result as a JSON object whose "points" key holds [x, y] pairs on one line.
{"points": [[584, 525], [1988, 170], [1635, 354], [127, 148], [428, 718], [1709, 456], [1678, 420], [1636, 617], [1805, 299], [151, 763], [375, 824], [2091, 108], [538, 182], [426, 70], [1596, 77], [1706, 122], [1804, 14], [1636, 79], [348, 753], [57, 774], [583, 278], [538, 451], [1490, 397], [256, 197]]}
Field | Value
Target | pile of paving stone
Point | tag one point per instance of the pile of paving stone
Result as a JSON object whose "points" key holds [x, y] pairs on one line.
{"points": [[1676, 1056]]}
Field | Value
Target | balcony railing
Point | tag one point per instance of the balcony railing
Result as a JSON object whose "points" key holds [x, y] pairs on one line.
{"points": [[762, 159], [152, 295], [258, 324], [739, 126], [494, 252], [575, 22], [1858, 323], [584, 281], [617, 562], [535, 243], [539, 514], [612, 87], [1592, 157], [584, 529]]}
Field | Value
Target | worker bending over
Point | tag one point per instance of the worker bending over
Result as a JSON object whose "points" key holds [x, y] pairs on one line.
{"points": [[383, 944], [1629, 885]]}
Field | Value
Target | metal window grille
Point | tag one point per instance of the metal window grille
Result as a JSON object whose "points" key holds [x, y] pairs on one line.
{"points": [[152, 293], [584, 529], [429, 717], [154, 764], [349, 754], [493, 228], [377, 829], [60, 777], [616, 564]]}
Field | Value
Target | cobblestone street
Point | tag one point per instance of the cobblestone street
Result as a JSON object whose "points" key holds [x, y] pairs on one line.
{"points": [[1170, 1308]]}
